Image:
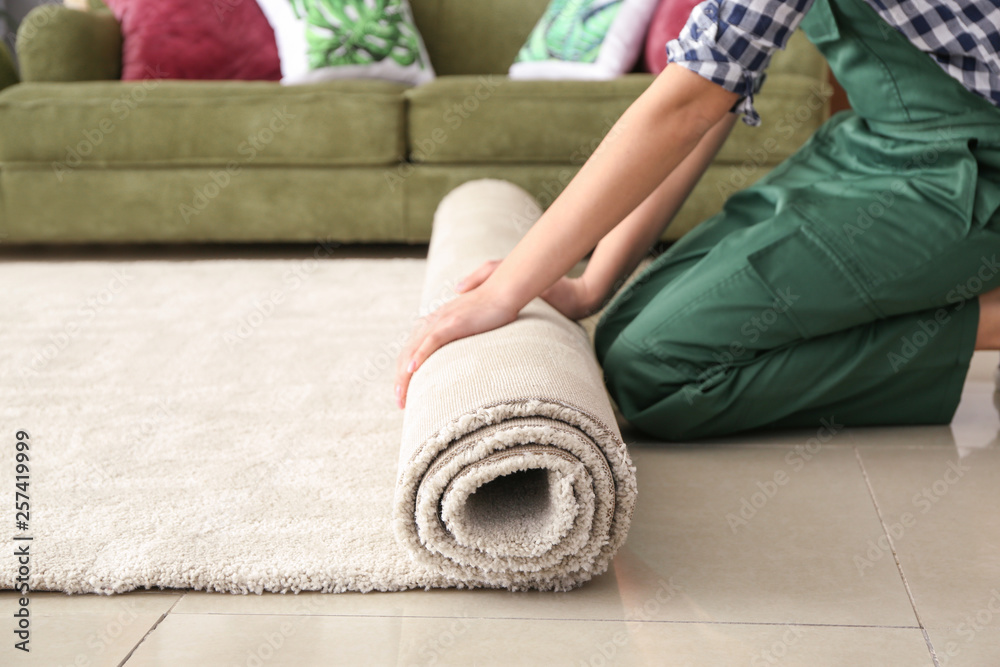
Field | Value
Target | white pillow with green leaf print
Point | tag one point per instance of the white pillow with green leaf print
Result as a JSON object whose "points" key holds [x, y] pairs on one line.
{"points": [[320, 40], [585, 39]]}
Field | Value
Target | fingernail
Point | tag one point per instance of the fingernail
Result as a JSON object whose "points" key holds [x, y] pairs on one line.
{"points": [[412, 367], [459, 286], [399, 390]]}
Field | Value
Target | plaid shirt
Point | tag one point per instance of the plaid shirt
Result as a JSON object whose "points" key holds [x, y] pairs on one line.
{"points": [[730, 42]]}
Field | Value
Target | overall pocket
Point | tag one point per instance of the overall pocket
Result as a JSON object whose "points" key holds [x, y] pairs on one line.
{"points": [[823, 294]]}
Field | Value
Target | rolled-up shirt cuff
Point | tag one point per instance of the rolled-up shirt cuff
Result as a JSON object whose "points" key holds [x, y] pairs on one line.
{"points": [[745, 108], [729, 76]]}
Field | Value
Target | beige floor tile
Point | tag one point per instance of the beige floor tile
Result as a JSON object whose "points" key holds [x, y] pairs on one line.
{"points": [[941, 504], [904, 436], [684, 559], [598, 599], [765, 438], [973, 646], [94, 639], [809, 553], [82, 630], [942, 511], [46, 603], [760, 535], [982, 369], [187, 639], [976, 424], [228, 639], [977, 421]]}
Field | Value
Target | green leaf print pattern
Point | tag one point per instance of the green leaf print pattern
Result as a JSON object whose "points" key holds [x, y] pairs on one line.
{"points": [[571, 30], [358, 32]]}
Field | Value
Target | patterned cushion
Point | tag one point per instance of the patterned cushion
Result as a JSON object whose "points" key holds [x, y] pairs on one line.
{"points": [[320, 40], [585, 39]]}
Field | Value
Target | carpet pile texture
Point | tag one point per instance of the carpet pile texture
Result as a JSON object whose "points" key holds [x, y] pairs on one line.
{"points": [[230, 425]]}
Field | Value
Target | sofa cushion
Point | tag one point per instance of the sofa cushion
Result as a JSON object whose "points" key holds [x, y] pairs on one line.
{"points": [[55, 43], [185, 39], [491, 119], [197, 204], [427, 184], [192, 123], [475, 36]]}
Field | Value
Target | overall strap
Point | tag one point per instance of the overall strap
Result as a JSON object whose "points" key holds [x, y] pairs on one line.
{"points": [[893, 85]]}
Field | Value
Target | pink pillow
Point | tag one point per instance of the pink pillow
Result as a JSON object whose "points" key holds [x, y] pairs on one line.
{"points": [[196, 39], [667, 23]]}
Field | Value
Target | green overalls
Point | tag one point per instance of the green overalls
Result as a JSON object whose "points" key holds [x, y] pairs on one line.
{"points": [[843, 285]]}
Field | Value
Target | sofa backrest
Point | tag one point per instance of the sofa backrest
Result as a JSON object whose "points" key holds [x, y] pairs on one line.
{"points": [[483, 36], [475, 36]]}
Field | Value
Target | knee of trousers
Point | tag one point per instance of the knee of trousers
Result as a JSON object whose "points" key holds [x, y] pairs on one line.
{"points": [[653, 394]]}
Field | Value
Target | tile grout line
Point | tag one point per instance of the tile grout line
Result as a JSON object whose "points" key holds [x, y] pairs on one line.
{"points": [[895, 557], [150, 631], [560, 620]]}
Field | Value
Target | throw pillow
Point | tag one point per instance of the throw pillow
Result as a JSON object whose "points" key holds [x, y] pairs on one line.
{"points": [[319, 40], [585, 39], [193, 39], [669, 19]]}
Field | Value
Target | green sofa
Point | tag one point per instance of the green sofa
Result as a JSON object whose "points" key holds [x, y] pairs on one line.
{"points": [[85, 157]]}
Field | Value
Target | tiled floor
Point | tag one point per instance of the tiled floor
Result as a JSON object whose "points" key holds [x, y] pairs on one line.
{"points": [[877, 547]]}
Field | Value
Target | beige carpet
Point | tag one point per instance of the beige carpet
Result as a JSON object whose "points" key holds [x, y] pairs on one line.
{"points": [[230, 425]]}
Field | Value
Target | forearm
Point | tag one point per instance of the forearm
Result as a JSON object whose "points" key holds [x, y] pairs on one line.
{"points": [[647, 143], [621, 250]]}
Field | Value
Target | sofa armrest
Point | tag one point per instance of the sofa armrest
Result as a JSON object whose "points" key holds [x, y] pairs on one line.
{"points": [[8, 73], [55, 43]]}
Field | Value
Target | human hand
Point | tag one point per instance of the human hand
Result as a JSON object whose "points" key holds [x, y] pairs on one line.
{"points": [[573, 297], [475, 311]]}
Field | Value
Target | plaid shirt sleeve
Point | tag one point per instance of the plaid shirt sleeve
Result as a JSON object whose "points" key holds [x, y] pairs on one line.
{"points": [[730, 42]]}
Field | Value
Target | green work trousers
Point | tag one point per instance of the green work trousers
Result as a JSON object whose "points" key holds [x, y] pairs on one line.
{"points": [[843, 286]]}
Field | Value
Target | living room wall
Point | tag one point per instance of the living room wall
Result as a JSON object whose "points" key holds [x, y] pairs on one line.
{"points": [[14, 12], [18, 8]]}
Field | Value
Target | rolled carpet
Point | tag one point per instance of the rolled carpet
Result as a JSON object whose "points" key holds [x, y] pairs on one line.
{"points": [[512, 471]]}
